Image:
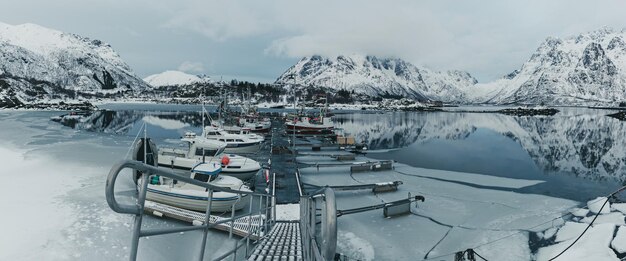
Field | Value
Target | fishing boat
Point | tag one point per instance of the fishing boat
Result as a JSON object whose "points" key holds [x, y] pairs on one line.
{"points": [[249, 119], [201, 149], [192, 197], [305, 124], [241, 142], [245, 126], [255, 123]]}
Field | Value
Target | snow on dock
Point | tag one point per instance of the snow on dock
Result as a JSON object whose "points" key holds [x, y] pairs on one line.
{"points": [[462, 210], [288, 212]]}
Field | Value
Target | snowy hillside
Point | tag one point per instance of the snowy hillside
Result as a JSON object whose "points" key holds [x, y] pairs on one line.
{"points": [[378, 76], [38, 64], [585, 69], [174, 78]]}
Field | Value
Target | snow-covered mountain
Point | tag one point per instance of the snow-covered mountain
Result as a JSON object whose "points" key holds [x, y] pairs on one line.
{"points": [[175, 78], [378, 76], [589, 68], [584, 69], [38, 64]]}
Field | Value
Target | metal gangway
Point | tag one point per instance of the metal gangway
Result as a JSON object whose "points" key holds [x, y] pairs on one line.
{"points": [[313, 237]]}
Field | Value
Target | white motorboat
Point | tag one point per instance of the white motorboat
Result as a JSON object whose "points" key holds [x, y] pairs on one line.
{"points": [[255, 124], [192, 197], [200, 149], [235, 143], [246, 124]]}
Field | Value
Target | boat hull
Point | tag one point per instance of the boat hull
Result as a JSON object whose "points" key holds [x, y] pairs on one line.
{"points": [[236, 173], [239, 167], [221, 201], [252, 147]]}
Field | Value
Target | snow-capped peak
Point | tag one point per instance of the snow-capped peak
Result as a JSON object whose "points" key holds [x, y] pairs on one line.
{"points": [[39, 63], [378, 76], [175, 78], [50, 42], [587, 68]]}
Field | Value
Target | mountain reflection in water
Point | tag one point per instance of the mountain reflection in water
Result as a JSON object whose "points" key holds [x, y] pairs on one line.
{"points": [[578, 142], [573, 144]]}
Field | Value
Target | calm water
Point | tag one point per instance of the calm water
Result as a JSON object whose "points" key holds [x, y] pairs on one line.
{"points": [[578, 152]]}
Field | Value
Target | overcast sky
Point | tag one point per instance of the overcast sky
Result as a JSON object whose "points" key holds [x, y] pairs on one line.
{"points": [[258, 40]]}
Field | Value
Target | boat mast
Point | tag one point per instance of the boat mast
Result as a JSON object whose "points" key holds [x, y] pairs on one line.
{"points": [[145, 144], [202, 98], [293, 139]]}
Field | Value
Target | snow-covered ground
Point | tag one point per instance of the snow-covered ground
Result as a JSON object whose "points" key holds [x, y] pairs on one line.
{"points": [[53, 205]]}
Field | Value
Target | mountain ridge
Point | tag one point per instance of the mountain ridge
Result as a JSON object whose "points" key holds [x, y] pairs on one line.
{"points": [[174, 78], [586, 69], [375, 76], [38, 64]]}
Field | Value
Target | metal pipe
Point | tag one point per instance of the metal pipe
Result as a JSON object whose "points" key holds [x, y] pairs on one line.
{"points": [[249, 228], [329, 225], [136, 165], [274, 197], [110, 191], [206, 222], [298, 182], [267, 220], [232, 218], [141, 199]]}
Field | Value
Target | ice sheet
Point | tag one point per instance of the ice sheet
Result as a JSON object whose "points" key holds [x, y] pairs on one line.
{"points": [[596, 204], [619, 242], [594, 245], [456, 215]]}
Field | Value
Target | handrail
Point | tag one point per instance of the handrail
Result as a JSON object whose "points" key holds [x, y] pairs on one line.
{"points": [[118, 167], [138, 208], [326, 249]]}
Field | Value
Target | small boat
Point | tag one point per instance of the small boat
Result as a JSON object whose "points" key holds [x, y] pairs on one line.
{"points": [[192, 197], [200, 149], [304, 124], [248, 123], [308, 124], [235, 143], [255, 123]]}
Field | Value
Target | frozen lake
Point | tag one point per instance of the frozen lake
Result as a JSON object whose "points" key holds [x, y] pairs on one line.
{"points": [[523, 170]]}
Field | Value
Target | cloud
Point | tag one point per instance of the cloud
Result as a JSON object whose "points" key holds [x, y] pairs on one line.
{"points": [[191, 67], [489, 38], [221, 20]]}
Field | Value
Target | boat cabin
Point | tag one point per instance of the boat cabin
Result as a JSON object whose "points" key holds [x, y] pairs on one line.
{"points": [[206, 172]]}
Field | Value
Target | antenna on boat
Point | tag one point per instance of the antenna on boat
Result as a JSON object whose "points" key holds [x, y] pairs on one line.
{"points": [[293, 139], [145, 144], [202, 98]]}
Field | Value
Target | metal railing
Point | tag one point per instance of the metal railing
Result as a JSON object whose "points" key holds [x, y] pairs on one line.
{"points": [[318, 244], [137, 209]]}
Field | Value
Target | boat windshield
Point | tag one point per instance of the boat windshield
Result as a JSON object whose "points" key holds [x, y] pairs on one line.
{"points": [[204, 177], [206, 152]]}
